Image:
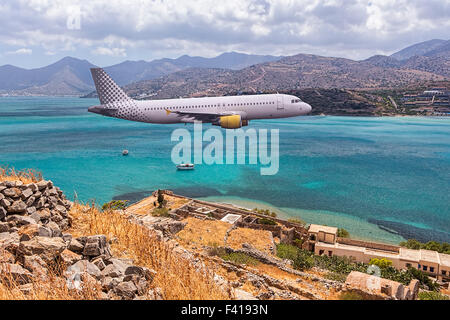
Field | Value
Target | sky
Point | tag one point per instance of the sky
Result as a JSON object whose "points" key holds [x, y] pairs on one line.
{"points": [[35, 33]]}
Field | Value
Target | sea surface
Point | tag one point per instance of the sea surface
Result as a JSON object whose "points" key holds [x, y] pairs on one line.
{"points": [[383, 179]]}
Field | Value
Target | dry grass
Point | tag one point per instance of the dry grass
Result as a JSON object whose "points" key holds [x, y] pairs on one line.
{"points": [[176, 276], [260, 239], [146, 205], [26, 176], [203, 232], [52, 287]]}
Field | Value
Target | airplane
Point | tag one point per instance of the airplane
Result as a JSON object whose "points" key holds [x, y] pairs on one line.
{"points": [[229, 112]]}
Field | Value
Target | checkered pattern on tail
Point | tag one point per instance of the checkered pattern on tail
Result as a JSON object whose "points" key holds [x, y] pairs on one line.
{"points": [[108, 91]]}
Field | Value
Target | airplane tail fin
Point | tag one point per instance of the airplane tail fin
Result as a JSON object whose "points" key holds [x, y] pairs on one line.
{"points": [[108, 91]]}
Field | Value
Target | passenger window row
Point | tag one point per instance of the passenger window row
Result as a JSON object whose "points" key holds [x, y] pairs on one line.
{"points": [[212, 106]]}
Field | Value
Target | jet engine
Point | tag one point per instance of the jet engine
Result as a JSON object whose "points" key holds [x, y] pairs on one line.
{"points": [[231, 122]]}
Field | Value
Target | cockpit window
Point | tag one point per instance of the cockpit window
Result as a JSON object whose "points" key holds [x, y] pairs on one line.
{"points": [[296, 100]]}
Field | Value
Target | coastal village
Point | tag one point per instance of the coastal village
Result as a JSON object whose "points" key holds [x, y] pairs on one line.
{"points": [[167, 246]]}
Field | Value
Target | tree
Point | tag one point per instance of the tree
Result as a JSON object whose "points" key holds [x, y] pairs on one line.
{"points": [[381, 263], [160, 199], [343, 233]]}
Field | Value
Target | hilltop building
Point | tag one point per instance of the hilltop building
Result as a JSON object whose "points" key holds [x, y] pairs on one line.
{"points": [[324, 240]]}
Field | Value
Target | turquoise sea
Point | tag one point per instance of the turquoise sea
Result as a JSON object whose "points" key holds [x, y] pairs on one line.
{"points": [[382, 179]]}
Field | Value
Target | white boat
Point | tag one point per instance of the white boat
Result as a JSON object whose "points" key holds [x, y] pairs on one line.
{"points": [[185, 166], [125, 152]]}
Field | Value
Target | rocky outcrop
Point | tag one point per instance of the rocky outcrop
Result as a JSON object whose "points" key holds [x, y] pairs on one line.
{"points": [[34, 219]]}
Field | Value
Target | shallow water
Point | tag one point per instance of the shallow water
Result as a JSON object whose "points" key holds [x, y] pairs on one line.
{"points": [[393, 172]]}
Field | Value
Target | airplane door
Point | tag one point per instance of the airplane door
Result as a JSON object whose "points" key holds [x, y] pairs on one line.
{"points": [[280, 105]]}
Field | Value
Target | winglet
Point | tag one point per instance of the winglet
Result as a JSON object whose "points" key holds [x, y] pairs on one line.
{"points": [[168, 111]]}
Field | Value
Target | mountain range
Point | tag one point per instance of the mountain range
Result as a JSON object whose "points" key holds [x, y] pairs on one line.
{"points": [[231, 72]]}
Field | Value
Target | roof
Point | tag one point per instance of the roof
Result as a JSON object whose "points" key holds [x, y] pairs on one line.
{"points": [[445, 260], [231, 218], [315, 228], [409, 254], [429, 256]]}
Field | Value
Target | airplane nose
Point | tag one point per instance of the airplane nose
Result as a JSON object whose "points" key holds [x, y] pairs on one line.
{"points": [[94, 109], [306, 108]]}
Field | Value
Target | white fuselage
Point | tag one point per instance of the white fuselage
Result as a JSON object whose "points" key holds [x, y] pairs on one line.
{"points": [[249, 107]]}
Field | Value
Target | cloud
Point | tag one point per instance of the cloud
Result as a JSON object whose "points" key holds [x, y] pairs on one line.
{"points": [[114, 52], [147, 29], [20, 51]]}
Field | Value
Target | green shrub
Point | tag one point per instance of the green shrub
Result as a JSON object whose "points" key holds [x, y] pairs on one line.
{"points": [[381, 263], [115, 205], [297, 220], [286, 251], [443, 247], [432, 295], [343, 233], [239, 258], [266, 221], [304, 260], [160, 212], [336, 276], [349, 295]]}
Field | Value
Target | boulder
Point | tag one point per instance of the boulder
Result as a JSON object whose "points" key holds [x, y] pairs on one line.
{"points": [[3, 213], [76, 246], [47, 248], [19, 220], [4, 227], [12, 192], [15, 272], [112, 271], [126, 290], [143, 272], [26, 193], [30, 231], [42, 185], [96, 246], [99, 263], [36, 265], [6, 257], [69, 257], [84, 266], [44, 214], [56, 231], [17, 207]]}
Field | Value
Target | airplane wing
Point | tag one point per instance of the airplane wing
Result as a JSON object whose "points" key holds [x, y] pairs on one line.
{"points": [[200, 116]]}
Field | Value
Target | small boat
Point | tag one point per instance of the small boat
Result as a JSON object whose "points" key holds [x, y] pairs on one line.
{"points": [[185, 166], [125, 152]]}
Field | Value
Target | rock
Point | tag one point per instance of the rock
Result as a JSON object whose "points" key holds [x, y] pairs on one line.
{"points": [[99, 263], [20, 220], [56, 231], [42, 185], [17, 207], [44, 214], [67, 237], [76, 246], [12, 193], [96, 245], [143, 272], [109, 283], [36, 265], [2, 213], [15, 272], [69, 257], [40, 203], [84, 266], [26, 194], [243, 295], [9, 241], [4, 227], [6, 257], [126, 290], [5, 203], [112, 271], [31, 211], [36, 217], [32, 230], [30, 201], [32, 186], [47, 248]]}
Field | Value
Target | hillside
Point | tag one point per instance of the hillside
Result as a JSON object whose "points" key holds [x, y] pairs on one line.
{"points": [[420, 49], [71, 76], [291, 73]]}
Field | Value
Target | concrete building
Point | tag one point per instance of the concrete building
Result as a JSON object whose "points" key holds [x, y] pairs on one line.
{"points": [[324, 240]]}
